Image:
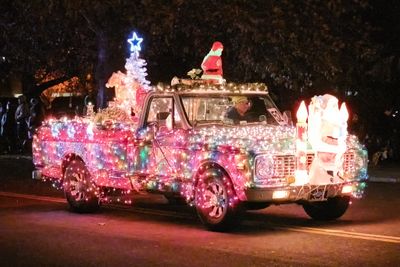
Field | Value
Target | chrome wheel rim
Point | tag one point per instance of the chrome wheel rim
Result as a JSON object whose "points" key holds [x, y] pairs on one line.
{"points": [[215, 200], [76, 183]]}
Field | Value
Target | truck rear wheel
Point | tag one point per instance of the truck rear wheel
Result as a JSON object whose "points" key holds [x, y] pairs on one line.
{"points": [[216, 202], [328, 210], [80, 191]]}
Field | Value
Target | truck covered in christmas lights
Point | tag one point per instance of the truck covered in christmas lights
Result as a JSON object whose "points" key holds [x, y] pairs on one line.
{"points": [[220, 147], [181, 144]]}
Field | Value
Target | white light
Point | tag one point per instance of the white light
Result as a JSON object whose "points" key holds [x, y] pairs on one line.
{"points": [[135, 43], [347, 189], [280, 194], [302, 113]]}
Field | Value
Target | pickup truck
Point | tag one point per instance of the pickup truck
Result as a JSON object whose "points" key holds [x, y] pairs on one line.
{"points": [[183, 146]]}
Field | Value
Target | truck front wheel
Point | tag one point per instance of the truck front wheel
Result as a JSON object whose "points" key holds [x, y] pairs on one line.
{"points": [[328, 210], [80, 191], [216, 201]]}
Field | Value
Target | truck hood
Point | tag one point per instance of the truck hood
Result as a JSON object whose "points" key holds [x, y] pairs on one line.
{"points": [[253, 138]]}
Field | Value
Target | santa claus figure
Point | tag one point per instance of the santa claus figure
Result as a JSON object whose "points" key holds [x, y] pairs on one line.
{"points": [[327, 134], [212, 64]]}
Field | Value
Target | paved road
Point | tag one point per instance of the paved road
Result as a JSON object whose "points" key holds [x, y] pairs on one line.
{"points": [[41, 231], [387, 172]]}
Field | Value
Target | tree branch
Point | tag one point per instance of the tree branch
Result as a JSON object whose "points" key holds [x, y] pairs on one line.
{"points": [[91, 25], [43, 86]]}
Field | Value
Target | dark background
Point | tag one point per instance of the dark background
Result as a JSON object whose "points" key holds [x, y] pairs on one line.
{"points": [[298, 48]]}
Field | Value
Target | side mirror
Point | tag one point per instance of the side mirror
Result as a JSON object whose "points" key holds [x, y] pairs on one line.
{"points": [[287, 116], [154, 126]]}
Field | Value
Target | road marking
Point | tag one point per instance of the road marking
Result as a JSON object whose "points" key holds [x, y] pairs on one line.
{"points": [[301, 229], [33, 197], [130, 208], [168, 213], [341, 233]]}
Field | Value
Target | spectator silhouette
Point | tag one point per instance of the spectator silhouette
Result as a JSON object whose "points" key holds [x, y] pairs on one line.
{"points": [[21, 118], [6, 130], [1, 136], [395, 144], [34, 120]]}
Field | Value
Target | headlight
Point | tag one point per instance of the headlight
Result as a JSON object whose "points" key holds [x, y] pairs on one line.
{"points": [[264, 168], [273, 170]]}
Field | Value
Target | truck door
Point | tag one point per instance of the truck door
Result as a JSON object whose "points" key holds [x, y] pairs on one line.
{"points": [[162, 141]]}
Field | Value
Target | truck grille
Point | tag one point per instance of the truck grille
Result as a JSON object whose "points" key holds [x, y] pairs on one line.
{"points": [[349, 161], [285, 165]]}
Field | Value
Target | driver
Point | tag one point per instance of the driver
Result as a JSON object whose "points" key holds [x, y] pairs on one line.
{"points": [[239, 111]]}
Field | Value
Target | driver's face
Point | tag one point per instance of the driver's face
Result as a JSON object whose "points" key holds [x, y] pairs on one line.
{"points": [[243, 106]]}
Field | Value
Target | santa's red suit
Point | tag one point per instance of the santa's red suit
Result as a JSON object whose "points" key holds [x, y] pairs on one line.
{"points": [[212, 64]]}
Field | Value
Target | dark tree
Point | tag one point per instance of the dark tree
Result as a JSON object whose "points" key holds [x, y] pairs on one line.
{"points": [[299, 48]]}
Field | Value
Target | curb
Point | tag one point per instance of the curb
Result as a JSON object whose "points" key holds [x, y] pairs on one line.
{"points": [[383, 179], [16, 157]]}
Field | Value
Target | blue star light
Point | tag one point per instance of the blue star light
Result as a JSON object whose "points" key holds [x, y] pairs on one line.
{"points": [[135, 43]]}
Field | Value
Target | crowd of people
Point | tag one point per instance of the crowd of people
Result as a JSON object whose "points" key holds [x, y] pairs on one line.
{"points": [[18, 124], [383, 149], [382, 143]]}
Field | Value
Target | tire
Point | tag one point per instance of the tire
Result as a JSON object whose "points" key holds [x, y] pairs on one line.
{"points": [[328, 210], [216, 202], [80, 191]]}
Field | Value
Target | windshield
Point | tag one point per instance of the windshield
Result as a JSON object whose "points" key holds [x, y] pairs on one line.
{"points": [[231, 109]]}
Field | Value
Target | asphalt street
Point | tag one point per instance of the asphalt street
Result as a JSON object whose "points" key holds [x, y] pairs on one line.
{"points": [[38, 229]]}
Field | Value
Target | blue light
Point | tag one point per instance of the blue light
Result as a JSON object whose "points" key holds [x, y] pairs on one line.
{"points": [[135, 43]]}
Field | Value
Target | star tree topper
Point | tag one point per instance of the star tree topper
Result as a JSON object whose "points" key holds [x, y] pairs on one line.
{"points": [[135, 42]]}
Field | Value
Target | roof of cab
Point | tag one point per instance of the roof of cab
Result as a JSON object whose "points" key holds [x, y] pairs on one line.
{"points": [[200, 86]]}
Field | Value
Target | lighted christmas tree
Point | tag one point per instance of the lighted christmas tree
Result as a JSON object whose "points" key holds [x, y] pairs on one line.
{"points": [[131, 87]]}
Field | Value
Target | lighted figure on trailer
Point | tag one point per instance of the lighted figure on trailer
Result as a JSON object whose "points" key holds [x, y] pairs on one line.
{"points": [[131, 86], [178, 141]]}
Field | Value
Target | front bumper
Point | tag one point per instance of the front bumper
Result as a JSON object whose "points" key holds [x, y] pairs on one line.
{"points": [[52, 172], [302, 193], [37, 174]]}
